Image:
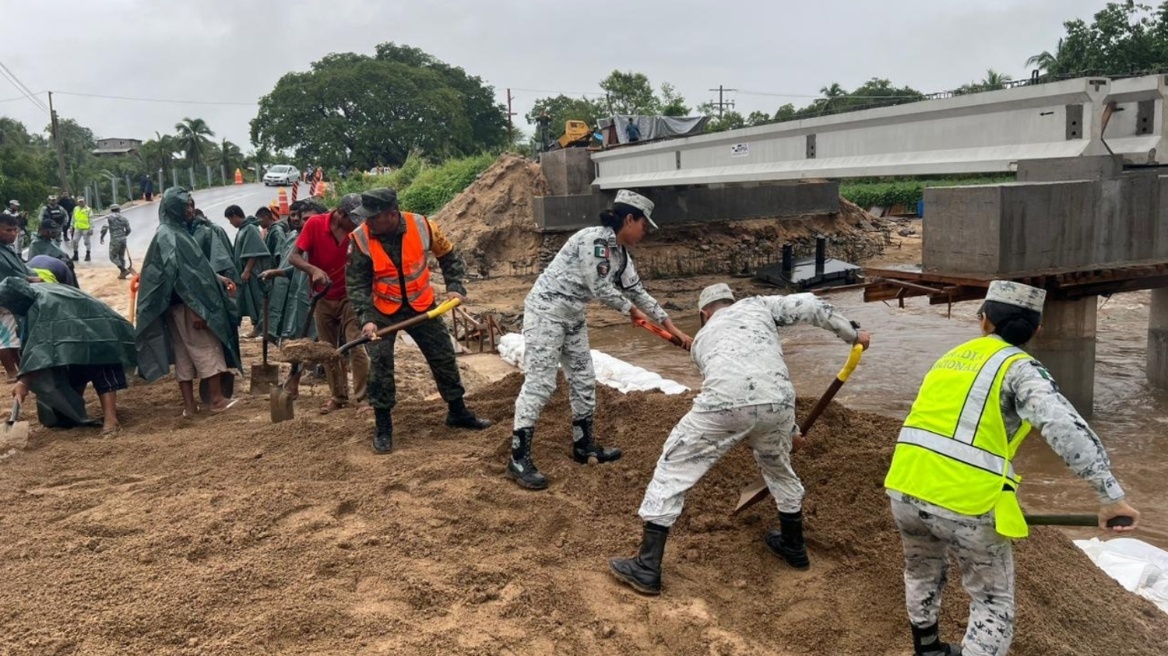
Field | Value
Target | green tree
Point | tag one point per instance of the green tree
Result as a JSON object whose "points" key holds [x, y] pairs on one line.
{"points": [[730, 120], [1047, 62], [785, 113], [193, 139], [230, 156], [26, 165], [758, 118], [672, 103], [630, 93], [1123, 38], [358, 111], [994, 80]]}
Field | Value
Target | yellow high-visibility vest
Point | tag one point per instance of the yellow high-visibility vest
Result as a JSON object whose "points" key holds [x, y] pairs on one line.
{"points": [[953, 450], [81, 218]]}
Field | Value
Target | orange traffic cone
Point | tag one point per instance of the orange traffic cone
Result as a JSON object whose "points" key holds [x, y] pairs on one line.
{"points": [[238, 176], [283, 196]]}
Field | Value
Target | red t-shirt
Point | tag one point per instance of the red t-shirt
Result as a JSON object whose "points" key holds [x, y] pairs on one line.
{"points": [[319, 245]]}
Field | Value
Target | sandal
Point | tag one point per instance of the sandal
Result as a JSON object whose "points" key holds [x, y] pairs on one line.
{"points": [[332, 406], [225, 408]]}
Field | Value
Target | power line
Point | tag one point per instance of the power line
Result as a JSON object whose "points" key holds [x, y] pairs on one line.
{"points": [[158, 100], [562, 93], [23, 89]]}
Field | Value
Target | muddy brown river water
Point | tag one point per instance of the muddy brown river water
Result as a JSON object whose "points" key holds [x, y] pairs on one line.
{"points": [[1130, 416]]}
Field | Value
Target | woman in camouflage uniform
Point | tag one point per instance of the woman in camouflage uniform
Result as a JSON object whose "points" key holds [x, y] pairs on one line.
{"points": [[594, 263]]}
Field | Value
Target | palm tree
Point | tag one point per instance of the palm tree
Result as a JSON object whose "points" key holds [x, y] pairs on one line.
{"points": [[1047, 62], [158, 152], [995, 80], [193, 139], [230, 156]]}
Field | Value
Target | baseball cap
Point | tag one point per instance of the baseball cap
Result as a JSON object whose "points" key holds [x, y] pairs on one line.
{"points": [[376, 201], [638, 201], [349, 204], [115, 208], [714, 293], [14, 202]]}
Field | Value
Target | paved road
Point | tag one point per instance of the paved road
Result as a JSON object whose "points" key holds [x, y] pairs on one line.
{"points": [[144, 218]]}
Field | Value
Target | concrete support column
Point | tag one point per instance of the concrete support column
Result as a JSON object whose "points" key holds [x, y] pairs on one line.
{"points": [[1066, 345], [1158, 339]]}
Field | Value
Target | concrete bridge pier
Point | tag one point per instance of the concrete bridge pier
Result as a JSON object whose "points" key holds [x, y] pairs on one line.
{"points": [[1157, 364], [1066, 345]]}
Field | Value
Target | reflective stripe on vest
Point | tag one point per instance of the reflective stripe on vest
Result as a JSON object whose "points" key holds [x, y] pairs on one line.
{"points": [[387, 280], [953, 450]]}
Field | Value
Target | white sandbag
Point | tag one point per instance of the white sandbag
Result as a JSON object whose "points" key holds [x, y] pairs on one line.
{"points": [[610, 371]]}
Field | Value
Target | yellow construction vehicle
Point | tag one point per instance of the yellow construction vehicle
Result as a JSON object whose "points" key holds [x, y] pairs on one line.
{"points": [[577, 134]]}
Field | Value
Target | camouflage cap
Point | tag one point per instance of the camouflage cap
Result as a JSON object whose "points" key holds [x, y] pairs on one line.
{"points": [[1016, 294], [349, 204], [638, 201], [14, 203], [115, 208], [714, 293], [376, 201]]}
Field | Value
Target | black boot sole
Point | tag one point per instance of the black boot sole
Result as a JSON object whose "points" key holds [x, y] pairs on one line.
{"points": [[633, 583], [482, 424], [379, 452], [594, 458], [783, 557], [524, 484]]}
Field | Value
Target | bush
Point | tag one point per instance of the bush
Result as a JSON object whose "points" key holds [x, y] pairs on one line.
{"points": [[887, 193], [421, 187]]}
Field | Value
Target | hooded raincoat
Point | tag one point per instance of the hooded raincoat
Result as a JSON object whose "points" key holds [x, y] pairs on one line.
{"points": [[249, 243], [290, 297], [175, 270], [66, 327]]}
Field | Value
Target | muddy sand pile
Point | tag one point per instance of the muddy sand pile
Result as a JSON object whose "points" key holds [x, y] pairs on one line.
{"points": [[230, 535], [492, 221]]}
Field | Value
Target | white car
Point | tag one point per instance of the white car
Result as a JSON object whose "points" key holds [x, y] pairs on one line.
{"points": [[281, 174]]}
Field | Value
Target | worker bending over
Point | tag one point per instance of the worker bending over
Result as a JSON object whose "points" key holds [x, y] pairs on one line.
{"points": [[746, 395], [952, 482]]}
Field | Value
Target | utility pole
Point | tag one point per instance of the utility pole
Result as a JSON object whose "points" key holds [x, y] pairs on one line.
{"points": [[722, 103], [57, 143], [510, 123]]}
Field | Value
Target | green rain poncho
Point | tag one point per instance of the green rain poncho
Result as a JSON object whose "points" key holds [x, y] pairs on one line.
{"points": [[289, 297], [249, 243], [66, 327], [12, 265], [274, 238], [216, 246], [42, 246], [175, 267]]}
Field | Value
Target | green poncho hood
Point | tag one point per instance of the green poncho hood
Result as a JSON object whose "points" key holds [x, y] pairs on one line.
{"points": [[175, 266]]}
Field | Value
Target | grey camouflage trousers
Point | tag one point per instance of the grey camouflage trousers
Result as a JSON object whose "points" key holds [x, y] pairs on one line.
{"points": [[548, 343], [700, 439], [986, 560]]}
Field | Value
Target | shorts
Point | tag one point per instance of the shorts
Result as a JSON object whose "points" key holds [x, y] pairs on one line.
{"points": [[106, 378], [198, 353], [9, 330]]}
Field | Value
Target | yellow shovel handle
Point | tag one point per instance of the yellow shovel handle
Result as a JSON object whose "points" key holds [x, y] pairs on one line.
{"points": [[444, 308], [850, 365]]}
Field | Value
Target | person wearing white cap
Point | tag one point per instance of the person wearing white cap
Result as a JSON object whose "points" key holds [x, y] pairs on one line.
{"points": [[594, 263], [746, 395], [952, 483]]}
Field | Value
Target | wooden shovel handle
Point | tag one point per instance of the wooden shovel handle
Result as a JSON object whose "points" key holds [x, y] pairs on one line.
{"points": [[402, 325]]}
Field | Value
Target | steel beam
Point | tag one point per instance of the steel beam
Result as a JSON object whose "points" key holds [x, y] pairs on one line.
{"points": [[975, 133]]}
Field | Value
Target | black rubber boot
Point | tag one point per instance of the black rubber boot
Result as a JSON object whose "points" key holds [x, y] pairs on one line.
{"points": [[74, 255], [460, 416], [383, 434], [787, 542], [927, 642], [87, 258], [643, 571], [585, 450], [521, 469]]}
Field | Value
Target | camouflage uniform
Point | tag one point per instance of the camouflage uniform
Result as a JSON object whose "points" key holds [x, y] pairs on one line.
{"points": [[56, 219], [746, 395], [118, 228], [590, 265], [432, 337], [929, 532]]}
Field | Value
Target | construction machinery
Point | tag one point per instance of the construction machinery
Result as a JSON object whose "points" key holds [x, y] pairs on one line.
{"points": [[577, 134]]}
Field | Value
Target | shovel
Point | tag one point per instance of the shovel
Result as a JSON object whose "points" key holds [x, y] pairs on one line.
{"points": [[15, 431], [758, 490], [264, 376], [280, 402], [1090, 521], [401, 325], [660, 332]]}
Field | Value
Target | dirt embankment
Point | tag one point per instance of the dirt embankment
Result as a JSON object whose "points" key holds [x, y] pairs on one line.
{"points": [[492, 222], [230, 535]]}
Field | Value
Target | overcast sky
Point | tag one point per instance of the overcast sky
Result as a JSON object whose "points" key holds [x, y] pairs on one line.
{"points": [[234, 51]]}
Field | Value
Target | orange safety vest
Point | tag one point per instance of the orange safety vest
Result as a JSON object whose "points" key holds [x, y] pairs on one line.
{"points": [[387, 282]]}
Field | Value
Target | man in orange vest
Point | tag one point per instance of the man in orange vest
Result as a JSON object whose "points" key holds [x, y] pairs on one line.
{"points": [[388, 281]]}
